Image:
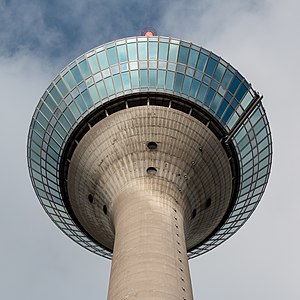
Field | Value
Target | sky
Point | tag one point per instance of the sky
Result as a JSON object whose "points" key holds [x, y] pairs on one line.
{"points": [[259, 38]]}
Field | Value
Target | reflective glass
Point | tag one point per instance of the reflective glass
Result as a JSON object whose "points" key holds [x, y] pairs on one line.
{"points": [[94, 64], [69, 80], [220, 70], [183, 54], [163, 51], [210, 66], [170, 80], [173, 52], [144, 78], [101, 89], [76, 74], [85, 71], [142, 48], [152, 78], [161, 79], [132, 52], [118, 84], [62, 88], [102, 60], [87, 99], [109, 86], [134, 79], [202, 62], [186, 85], [112, 56], [193, 58], [126, 80], [195, 87], [153, 50], [122, 53]]}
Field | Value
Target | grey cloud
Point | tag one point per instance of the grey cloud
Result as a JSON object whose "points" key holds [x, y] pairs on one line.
{"points": [[260, 38]]}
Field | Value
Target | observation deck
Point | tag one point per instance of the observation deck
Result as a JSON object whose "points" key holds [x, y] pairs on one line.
{"points": [[210, 138]]}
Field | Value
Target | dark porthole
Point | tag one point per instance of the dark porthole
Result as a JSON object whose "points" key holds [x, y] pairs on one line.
{"points": [[152, 146], [194, 213], [151, 171], [91, 198], [208, 203], [105, 209]]}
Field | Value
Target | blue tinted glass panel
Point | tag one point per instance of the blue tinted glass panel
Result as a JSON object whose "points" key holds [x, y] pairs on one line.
{"points": [[241, 92], [222, 108], [163, 51], [94, 93], [152, 78], [134, 79], [50, 103], [87, 99], [85, 71], [56, 137], [102, 60], [101, 89], [202, 62], [209, 97], [94, 64], [153, 50], [210, 66], [234, 85], [219, 72], [122, 53], [132, 52], [195, 87], [76, 73], [80, 104], [65, 124], [202, 92], [109, 86], [161, 79], [186, 85], [193, 58], [42, 120], [183, 54], [170, 80], [215, 104], [173, 52], [69, 80], [62, 88], [45, 110], [227, 78], [112, 56], [142, 50], [144, 78], [118, 84], [69, 116], [178, 82], [228, 114], [126, 80], [55, 95]]}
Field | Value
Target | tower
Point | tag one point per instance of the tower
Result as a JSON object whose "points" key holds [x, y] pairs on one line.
{"points": [[149, 150]]}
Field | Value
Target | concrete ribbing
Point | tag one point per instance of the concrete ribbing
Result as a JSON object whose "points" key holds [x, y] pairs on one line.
{"points": [[138, 223], [149, 260]]}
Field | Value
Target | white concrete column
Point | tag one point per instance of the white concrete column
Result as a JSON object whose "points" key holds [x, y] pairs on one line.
{"points": [[149, 257]]}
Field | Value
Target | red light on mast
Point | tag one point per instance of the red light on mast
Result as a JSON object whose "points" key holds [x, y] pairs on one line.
{"points": [[149, 33]]}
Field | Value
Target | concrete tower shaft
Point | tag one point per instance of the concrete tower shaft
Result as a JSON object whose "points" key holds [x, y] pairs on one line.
{"points": [[142, 182]]}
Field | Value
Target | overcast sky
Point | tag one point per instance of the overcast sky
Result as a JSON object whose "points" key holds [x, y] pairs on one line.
{"points": [[260, 38]]}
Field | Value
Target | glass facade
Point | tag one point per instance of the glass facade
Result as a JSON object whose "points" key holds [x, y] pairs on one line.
{"points": [[148, 64]]}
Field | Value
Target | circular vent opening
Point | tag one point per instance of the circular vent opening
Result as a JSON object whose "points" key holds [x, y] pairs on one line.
{"points": [[90, 198], [152, 146], [151, 171]]}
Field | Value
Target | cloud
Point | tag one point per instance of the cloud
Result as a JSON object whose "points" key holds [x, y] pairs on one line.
{"points": [[260, 38]]}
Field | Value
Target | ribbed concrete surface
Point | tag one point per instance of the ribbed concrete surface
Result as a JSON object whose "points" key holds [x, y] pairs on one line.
{"points": [[133, 212], [149, 260]]}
